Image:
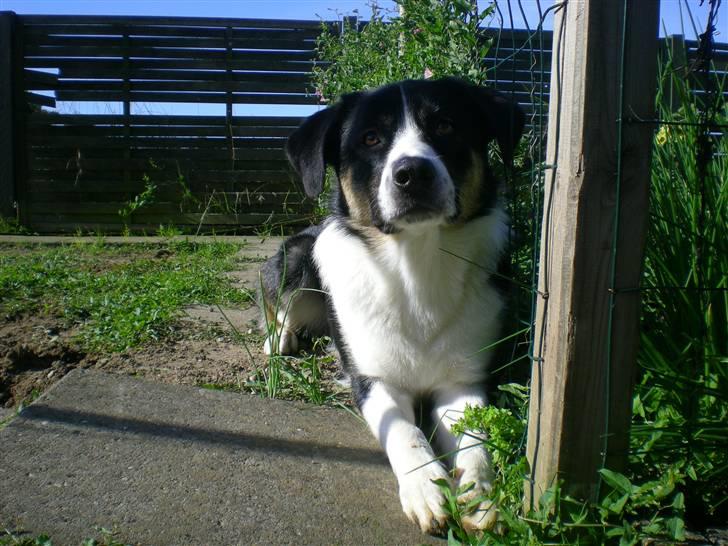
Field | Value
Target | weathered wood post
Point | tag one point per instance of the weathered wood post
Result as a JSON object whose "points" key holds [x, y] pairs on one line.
{"points": [[596, 197], [8, 146]]}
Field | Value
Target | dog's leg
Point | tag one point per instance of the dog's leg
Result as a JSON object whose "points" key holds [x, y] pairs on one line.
{"points": [[471, 460], [281, 337], [291, 295], [390, 416]]}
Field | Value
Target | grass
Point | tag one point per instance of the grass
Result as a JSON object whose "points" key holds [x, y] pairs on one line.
{"points": [[119, 297], [298, 378], [681, 402]]}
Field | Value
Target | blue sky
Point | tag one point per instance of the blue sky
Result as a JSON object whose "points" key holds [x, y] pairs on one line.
{"points": [[671, 10], [673, 13]]}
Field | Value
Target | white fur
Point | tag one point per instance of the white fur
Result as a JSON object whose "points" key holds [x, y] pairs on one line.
{"points": [[390, 415], [415, 318], [412, 314]]}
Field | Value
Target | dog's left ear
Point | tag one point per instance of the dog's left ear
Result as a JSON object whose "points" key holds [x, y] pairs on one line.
{"points": [[315, 144], [505, 120]]}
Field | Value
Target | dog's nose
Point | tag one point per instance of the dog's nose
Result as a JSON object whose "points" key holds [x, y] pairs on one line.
{"points": [[412, 170]]}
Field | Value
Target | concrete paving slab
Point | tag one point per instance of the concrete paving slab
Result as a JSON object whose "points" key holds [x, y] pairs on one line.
{"points": [[166, 464], [247, 276], [260, 249]]}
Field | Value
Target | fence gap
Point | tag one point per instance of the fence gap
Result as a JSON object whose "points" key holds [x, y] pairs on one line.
{"points": [[595, 209]]}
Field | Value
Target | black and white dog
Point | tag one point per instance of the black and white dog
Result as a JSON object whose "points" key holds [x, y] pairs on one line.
{"points": [[398, 275]]}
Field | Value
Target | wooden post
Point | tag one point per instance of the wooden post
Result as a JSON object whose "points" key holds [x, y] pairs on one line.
{"points": [[8, 146], [583, 364]]}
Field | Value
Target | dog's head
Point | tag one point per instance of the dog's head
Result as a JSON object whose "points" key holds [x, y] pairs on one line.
{"points": [[410, 154]]}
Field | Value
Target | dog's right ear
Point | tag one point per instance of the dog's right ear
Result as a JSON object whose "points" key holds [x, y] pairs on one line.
{"points": [[315, 144]]}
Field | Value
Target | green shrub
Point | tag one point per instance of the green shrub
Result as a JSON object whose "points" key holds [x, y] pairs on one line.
{"points": [[431, 38], [681, 401]]}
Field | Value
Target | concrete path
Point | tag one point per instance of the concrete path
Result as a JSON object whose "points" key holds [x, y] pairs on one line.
{"points": [[165, 464]]}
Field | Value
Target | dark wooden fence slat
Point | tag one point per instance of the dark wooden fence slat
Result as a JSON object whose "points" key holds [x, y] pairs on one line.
{"points": [[178, 86], [86, 142], [104, 20], [149, 120], [190, 97], [104, 131], [273, 62], [288, 50], [95, 72], [10, 149], [261, 41], [40, 100]]}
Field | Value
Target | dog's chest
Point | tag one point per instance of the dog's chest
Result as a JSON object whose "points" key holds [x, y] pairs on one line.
{"points": [[410, 313]]}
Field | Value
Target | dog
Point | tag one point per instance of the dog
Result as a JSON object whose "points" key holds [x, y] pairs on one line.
{"points": [[400, 275]]}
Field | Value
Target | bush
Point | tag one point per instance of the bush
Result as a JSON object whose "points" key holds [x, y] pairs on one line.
{"points": [[432, 38], [681, 401]]}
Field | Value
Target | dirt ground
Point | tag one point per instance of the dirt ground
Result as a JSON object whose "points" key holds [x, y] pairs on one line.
{"points": [[37, 351], [204, 347]]}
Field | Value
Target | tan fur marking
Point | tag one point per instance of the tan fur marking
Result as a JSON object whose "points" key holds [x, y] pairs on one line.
{"points": [[471, 190], [358, 203], [270, 314]]}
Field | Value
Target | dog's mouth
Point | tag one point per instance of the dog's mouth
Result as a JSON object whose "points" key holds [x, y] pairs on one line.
{"points": [[417, 213]]}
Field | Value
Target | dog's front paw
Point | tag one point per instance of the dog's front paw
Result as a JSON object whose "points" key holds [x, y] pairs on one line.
{"points": [[421, 498], [287, 343], [480, 511]]}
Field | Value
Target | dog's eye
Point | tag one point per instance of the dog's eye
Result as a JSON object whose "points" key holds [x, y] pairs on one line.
{"points": [[371, 138], [444, 127]]}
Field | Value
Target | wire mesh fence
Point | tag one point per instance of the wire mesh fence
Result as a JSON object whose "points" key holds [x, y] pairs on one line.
{"points": [[681, 390]]}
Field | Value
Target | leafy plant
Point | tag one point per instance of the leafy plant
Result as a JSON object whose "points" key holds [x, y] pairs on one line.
{"points": [[681, 402], [625, 514], [432, 38], [140, 200], [10, 226]]}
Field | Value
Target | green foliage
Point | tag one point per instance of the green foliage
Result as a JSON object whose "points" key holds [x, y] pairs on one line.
{"points": [[296, 378], [625, 514], [122, 305], [681, 402], [168, 231], [432, 38], [141, 200], [10, 226]]}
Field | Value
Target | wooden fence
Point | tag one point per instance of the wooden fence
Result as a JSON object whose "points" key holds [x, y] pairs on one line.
{"points": [[61, 172], [102, 171]]}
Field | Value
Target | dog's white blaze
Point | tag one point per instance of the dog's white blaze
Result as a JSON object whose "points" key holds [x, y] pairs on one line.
{"points": [[408, 142], [412, 314]]}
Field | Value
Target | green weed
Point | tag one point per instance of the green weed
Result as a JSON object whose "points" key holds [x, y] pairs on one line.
{"points": [[626, 513], [10, 226], [143, 199], [297, 378]]}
